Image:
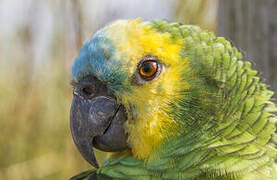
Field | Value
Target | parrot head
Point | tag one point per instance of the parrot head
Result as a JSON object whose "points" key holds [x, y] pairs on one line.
{"points": [[170, 91], [127, 80]]}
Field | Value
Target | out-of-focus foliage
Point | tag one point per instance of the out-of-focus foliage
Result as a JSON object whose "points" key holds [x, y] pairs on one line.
{"points": [[35, 141], [38, 43], [198, 12]]}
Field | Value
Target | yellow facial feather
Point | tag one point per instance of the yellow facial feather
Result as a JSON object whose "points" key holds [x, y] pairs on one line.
{"points": [[150, 125]]}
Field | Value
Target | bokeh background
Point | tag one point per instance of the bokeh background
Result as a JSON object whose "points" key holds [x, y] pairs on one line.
{"points": [[39, 40]]}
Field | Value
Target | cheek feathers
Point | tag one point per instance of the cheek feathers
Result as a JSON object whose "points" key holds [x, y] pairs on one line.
{"points": [[151, 124]]}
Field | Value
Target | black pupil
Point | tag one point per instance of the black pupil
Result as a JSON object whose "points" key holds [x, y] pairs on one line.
{"points": [[147, 67]]}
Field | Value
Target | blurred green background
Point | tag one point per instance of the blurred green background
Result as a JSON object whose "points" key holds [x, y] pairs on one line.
{"points": [[39, 40]]}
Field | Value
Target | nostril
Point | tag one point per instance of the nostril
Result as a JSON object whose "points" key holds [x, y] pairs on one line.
{"points": [[88, 91]]}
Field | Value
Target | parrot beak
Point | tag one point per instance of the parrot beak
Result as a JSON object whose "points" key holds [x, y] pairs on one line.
{"points": [[97, 122]]}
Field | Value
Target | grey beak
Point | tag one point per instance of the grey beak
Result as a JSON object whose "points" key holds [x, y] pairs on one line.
{"points": [[90, 118]]}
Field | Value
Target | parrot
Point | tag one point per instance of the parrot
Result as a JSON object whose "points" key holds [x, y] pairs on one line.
{"points": [[169, 101]]}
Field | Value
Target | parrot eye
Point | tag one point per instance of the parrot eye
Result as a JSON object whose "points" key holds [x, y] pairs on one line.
{"points": [[148, 68]]}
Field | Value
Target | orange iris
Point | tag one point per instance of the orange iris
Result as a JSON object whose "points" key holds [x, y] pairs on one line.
{"points": [[148, 69]]}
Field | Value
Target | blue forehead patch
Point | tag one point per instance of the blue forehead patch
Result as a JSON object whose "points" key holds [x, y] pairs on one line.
{"points": [[97, 58]]}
